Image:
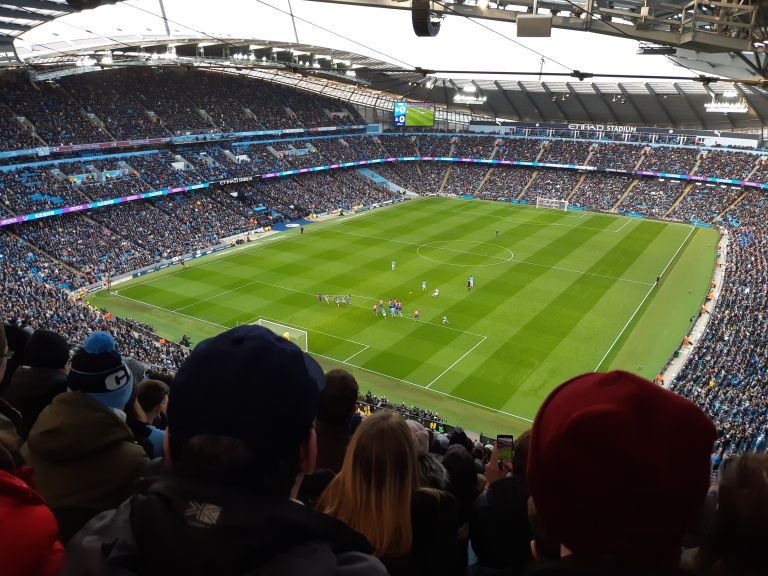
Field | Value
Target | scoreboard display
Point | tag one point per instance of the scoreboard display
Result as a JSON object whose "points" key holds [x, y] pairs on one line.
{"points": [[414, 114]]}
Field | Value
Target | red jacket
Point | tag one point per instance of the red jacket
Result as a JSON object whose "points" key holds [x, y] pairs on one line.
{"points": [[28, 530]]}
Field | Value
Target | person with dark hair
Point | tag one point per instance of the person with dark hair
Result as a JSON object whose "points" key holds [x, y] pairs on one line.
{"points": [[28, 530], [616, 505], [42, 377], [337, 403], [462, 479], [228, 505], [499, 528], [16, 337], [734, 545], [81, 449]]}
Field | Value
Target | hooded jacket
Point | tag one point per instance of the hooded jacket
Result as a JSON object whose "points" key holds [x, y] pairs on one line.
{"points": [[84, 457], [31, 390], [190, 526], [28, 530]]}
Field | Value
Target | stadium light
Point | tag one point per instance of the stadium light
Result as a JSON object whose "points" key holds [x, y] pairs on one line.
{"points": [[739, 107]]}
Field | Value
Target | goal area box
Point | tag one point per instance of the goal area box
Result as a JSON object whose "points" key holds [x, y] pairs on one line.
{"points": [[298, 337], [552, 203]]}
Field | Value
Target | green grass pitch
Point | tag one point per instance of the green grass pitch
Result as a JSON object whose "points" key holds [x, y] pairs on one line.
{"points": [[419, 116], [556, 294]]}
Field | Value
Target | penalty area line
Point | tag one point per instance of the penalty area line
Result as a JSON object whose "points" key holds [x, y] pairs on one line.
{"points": [[425, 388], [457, 361]]}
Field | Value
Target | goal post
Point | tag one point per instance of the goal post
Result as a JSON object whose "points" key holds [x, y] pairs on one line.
{"points": [[298, 337], [553, 203]]}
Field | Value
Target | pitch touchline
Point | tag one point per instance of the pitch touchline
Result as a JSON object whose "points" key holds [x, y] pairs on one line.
{"points": [[643, 302], [278, 239]]}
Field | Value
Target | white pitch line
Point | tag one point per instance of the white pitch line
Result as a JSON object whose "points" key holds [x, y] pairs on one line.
{"points": [[509, 260], [425, 388], [457, 361], [173, 312], [278, 237], [643, 302], [512, 219], [355, 354]]}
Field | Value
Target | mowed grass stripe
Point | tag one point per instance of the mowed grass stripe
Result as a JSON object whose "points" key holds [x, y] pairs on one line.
{"points": [[511, 305]]}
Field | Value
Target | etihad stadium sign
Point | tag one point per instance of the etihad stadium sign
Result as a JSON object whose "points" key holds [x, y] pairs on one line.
{"points": [[603, 128]]}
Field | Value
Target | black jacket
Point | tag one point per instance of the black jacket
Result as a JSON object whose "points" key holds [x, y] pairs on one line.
{"points": [[195, 527], [31, 390]]}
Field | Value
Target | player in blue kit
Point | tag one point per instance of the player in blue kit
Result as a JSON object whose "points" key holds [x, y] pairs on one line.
{"points": [[424, 286], [445, 320], [393, 264]]}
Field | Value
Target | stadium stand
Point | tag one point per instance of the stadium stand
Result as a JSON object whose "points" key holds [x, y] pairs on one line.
{"points": [[720, 393]]}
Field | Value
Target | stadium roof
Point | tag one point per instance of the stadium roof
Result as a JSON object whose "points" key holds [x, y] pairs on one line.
{"points": [[389, 62]]}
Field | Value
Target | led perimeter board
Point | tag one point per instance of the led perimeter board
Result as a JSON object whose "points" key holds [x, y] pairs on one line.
{"points": [[414, 113]]}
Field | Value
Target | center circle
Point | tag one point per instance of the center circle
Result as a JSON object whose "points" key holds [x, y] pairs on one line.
{"points": [[464, 253]]}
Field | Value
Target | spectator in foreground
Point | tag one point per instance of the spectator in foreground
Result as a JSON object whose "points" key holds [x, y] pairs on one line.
{"points": [[42, 377], [377, 493], [499, 528], [337, 403], [228, 506], [28, 530], [81, 449], [735, 545], [147, 403], [16, 338], [618, 469]]}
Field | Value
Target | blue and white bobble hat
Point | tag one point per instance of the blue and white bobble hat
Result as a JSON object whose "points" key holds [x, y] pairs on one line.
{"points": [[99, 371]]}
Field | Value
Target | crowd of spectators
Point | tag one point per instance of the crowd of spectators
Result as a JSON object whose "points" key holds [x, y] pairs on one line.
{"points": [[720, 164], [566, 152], [255, 96], [601, 191], [156, 92], [651, 197], [36, 295], [106, 95], [705, 202], [399, 146], [430, 145], [15, 136], [617, 156], [725, 373], [28, 190], [401, 499], [464, 178], [518, 149], [505, 182], [84, 245], [473, 147], [671, 160], [57, 118], [552, 184]]}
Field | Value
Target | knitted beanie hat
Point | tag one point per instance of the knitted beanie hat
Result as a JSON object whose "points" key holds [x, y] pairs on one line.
{"points": [[99, 371]]}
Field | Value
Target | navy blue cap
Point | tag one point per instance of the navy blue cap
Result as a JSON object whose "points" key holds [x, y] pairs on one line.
{"points": [[246, 383]]}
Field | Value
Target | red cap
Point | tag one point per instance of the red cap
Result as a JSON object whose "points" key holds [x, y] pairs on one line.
{"points": [[619, 467]]}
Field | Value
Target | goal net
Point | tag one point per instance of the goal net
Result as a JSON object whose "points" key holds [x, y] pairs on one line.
{"points": [[554, 203], [298, 337]]}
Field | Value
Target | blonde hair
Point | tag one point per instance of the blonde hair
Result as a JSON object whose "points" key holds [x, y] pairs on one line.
{"points": [[372, 492]]}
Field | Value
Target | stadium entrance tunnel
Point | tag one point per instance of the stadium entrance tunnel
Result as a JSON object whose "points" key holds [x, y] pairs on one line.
{"points": [[465, 253]]}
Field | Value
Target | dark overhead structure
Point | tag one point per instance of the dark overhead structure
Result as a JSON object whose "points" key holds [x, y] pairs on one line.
{"points": [[425, 22], [19, 16], [370, 82]]}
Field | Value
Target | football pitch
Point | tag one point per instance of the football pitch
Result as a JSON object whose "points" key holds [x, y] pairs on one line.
{"points": [[419, 116], [555, 294]]}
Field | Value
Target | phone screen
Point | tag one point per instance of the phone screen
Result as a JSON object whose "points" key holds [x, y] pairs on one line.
{"points": [[506, 444]]}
